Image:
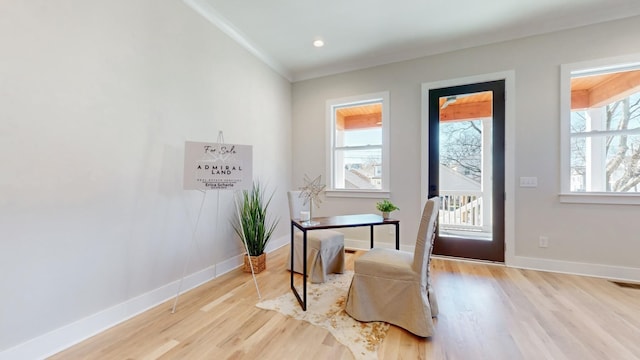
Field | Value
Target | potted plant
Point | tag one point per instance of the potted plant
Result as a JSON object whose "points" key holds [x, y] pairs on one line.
{"points": [[386, 206], [253, 227]]}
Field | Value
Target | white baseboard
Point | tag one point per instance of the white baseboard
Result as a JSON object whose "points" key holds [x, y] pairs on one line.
{"points": [[277, 243], [357, 244], [522, 262], [576, 268], [71, 334]]}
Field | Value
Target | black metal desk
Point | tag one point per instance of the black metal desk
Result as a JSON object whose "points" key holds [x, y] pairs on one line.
{"points": [[332, 222]]}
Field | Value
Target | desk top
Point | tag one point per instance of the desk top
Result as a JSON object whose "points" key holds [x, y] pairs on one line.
{"points": [[343, 221]]}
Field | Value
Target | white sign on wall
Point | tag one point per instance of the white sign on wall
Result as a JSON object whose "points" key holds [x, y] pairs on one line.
{"points": [[214, 166]]}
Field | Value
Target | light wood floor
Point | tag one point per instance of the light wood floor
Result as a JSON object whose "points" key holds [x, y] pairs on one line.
{"points": [[486, 312]]}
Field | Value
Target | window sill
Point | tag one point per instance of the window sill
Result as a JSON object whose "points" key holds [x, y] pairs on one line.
{"points": [[600, 198], [372, 194]]}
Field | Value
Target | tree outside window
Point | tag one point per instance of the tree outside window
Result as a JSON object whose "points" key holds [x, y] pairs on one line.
{"points": [[461, 147], [605, 132]]}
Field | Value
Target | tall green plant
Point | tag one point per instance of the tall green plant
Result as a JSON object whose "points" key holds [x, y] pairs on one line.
{"points": [[251, 223]]}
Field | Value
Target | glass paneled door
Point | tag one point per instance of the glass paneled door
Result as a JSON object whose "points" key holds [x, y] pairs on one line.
{"points": [[466, 169]]}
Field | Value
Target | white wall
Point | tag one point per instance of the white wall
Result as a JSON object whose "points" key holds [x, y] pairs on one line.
{"points": [[96, 101], [601, 240]]}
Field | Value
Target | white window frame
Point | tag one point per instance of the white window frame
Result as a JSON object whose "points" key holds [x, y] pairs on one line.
{"points": [[331, 191], [566, 71]]}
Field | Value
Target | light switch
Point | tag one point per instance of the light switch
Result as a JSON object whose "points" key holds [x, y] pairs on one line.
{"points": [[528, 181]]}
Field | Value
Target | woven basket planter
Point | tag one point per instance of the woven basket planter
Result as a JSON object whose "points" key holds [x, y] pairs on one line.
{"points": [[259, 263]]}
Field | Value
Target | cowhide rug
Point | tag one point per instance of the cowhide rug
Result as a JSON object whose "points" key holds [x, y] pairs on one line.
{"points": [[325, 308]]}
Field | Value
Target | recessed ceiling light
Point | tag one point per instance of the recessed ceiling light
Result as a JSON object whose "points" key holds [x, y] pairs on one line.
{"points": [[318, 43]]}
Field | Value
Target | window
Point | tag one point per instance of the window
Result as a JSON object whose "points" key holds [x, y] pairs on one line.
{"points": [[358, 145], [601, 131]]}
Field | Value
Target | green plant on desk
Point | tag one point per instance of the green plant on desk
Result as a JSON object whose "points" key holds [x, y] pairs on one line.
{"points": [[386, 206]]}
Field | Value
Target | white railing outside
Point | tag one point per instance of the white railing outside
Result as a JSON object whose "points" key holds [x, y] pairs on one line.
{"points": [[461, 210]]}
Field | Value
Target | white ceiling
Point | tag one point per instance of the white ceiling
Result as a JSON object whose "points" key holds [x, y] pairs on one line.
{"points": [[364, 33]]}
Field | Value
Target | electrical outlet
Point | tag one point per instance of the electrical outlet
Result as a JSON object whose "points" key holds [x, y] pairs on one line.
{"points": [[544, 241]]}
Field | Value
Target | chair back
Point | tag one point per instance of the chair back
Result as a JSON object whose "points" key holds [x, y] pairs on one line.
{"points": [[425, 235], [296, 204]]}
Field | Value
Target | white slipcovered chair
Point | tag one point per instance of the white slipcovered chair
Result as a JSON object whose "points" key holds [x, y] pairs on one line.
{"points": [[394, 286], [325, 248]]}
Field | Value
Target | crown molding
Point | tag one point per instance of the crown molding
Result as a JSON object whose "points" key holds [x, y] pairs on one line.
{"points": [[214, 17]]}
